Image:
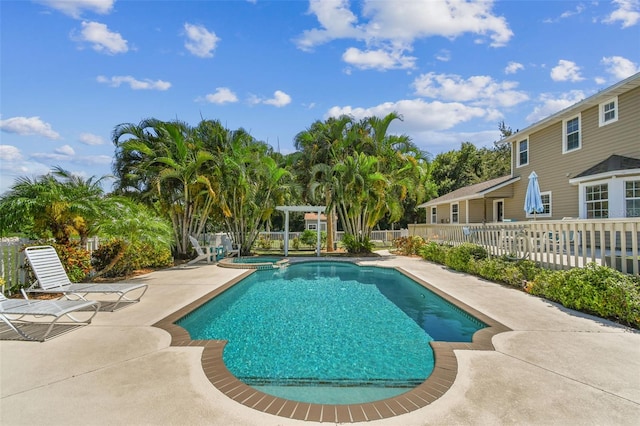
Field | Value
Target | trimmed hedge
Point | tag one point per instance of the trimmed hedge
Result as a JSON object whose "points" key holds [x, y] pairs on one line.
{"points": [[594, 289]]}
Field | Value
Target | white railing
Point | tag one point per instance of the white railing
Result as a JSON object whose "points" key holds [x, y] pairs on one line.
{"points": [[554, 244]]}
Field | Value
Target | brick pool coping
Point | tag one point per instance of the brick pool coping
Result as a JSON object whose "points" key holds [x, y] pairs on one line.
{"points": [[437, 384]]}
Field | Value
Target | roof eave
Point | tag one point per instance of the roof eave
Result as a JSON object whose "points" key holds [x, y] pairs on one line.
{"points": [[605, 175]]}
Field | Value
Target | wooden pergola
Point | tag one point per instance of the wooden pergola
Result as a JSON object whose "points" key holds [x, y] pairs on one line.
{"points": [[302, 209]]}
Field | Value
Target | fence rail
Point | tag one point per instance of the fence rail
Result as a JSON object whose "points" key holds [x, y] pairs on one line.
{"points": [[554, 244]]}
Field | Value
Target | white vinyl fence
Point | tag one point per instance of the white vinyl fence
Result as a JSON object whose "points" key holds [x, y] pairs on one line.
{"points": [[554, 244]]}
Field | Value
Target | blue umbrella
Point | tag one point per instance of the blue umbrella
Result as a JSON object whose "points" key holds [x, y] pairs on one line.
{"points": [[533, 200]]}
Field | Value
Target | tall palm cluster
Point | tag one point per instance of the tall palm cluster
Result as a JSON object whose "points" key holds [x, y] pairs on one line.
{"points": [[207, 177], [199, 175], [361, 173]]}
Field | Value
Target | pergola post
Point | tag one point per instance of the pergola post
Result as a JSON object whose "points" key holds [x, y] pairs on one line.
{"points": [[286, 232], [319, 243]]}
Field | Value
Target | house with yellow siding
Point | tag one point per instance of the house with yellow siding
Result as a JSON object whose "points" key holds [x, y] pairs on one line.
{"points": [[587, 158]]}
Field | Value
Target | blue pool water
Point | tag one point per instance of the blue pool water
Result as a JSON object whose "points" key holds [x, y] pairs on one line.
{"points": [[330, 332]]}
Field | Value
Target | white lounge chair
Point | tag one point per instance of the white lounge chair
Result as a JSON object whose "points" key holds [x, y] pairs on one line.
{"points": [[52, 278], [229, 248], [208, 253], [12, 312]]}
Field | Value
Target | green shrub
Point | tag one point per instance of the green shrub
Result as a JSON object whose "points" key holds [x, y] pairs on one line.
{"points": [[594, 289], [353, 245], [408, 246], [129, 258], [264, 242], [434, 252], [501, 270], [310, 238], [460, 257]]}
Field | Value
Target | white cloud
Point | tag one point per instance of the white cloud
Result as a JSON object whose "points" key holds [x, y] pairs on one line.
{"points": [[10, 153], [444, 55], [620, 67], [389, 29], [74, 8], [200, 41], [550, 105], [627, 12], [566, 71], [417, 114], [65, 150], [335, 18], [222, 95], [28, 126], [567, 14], [378, 59], [481, 89], [415, 19], [90, 139], [513, 67], [101, 38], [146, 84], [279, 99]]}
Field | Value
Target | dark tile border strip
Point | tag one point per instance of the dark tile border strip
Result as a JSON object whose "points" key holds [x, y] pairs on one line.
{"points": [[437, 384]]}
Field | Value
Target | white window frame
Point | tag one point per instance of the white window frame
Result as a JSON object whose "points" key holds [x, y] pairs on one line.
{"points": [[565, 135], [608, 199], [602, 113], [434, 214], [626, 211], [457, 213], [312, 226], [543, 193], [518, 163]]}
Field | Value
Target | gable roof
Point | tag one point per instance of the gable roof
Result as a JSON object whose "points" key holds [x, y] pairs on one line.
{"points": [[619, 88], [478, 190]]}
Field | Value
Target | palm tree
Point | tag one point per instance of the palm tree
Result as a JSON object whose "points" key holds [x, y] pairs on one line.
{"points": [[164, 163], [251, 185], [360, 194], [58, 205], [321, 145]]}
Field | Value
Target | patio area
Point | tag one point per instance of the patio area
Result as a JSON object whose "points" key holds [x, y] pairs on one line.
{"points": [[557, 366]]}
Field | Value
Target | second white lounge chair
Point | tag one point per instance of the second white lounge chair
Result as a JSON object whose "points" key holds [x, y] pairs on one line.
{"points": [[52, 278], [13, 312]]}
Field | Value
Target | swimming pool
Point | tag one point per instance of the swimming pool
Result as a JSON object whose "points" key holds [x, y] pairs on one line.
{"points": [[330, 332]]}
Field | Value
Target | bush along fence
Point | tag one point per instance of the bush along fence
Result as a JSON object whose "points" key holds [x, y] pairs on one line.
{"points": [[594, 289]]}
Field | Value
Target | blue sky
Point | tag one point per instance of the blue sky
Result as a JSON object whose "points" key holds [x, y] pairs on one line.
{"points": [[70, 71]]}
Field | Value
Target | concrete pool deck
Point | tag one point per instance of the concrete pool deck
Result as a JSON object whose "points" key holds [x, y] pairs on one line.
{"points": [[556, 366]]}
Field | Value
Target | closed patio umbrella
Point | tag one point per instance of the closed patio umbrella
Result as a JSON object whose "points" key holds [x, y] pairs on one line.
{"points": [[533, 200]]}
